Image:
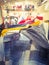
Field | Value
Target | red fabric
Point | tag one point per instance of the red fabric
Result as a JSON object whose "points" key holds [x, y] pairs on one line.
{"points": [[28, 18], [19, 6], [22, 22], [40, 17], [28, 21]]}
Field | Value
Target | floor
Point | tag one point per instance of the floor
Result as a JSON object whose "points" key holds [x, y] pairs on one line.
{"points": [[20, 54]]}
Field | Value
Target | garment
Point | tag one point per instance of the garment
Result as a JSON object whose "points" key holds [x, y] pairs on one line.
{"points": [[38, 36], [37, 33]]}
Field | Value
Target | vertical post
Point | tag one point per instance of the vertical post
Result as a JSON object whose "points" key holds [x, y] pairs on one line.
{"points": [[0, 15]]}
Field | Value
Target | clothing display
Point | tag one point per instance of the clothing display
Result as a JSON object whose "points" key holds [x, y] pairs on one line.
{"points": [[24, 32]]}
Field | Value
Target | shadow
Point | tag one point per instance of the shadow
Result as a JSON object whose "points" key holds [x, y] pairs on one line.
{"points": [[38, 56], [13, 50], [2, 63]]}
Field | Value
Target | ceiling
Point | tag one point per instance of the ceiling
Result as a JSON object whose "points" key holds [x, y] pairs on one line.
{"points": [[5, 1], [2, 2]]}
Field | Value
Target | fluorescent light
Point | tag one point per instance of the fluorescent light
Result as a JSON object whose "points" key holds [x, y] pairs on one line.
{"points": [[44, 1], [40, 3]]}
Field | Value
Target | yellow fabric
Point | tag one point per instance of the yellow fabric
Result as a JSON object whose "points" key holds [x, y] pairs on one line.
{"points": [[19, 28]]}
